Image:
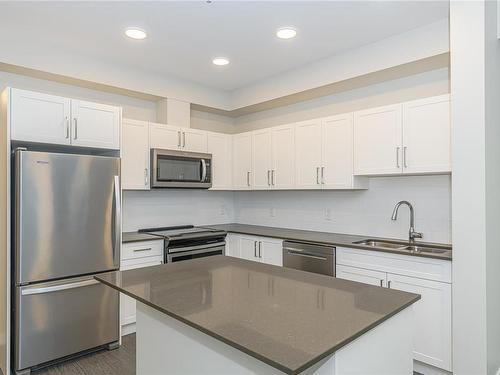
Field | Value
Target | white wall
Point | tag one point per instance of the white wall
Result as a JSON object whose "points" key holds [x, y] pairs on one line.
{"points": [[132, 108], [212, 122], [156, 208], [430, 83], [366, 212]]}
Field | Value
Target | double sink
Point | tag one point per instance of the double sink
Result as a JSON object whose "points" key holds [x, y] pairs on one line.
{"points": [[404, 247]]}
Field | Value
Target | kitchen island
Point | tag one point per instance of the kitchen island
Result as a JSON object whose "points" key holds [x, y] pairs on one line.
{"points": [[222, 315]]}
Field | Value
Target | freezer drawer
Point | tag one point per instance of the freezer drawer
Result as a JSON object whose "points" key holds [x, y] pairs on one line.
{"points": [[61, 318]]}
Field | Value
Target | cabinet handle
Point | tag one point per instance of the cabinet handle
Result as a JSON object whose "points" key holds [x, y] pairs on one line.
{"points": [[322, 175], [248, 178], [317, 175], [260, 249], [255, 249], [76, 128], [183, 139], [389, 284], [145, 176], [139, 250], [381, 282], [404, 156], [272, 176], [67, 127], [397, 157], [268, 178], [178, 139]]}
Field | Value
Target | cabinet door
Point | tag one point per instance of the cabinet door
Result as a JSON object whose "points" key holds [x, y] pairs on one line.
{"points": [[242, 161], [360, 275], [127, 304], [232, 245], [135, 155], [95, 125], [308, 154], [377, 141], [261, 159], [37, 117], [337, 168], [427, 135], [164, 136], [248, 247], [432, 332], [271, 251], [283, 151], [220, 146], [194, 140]]}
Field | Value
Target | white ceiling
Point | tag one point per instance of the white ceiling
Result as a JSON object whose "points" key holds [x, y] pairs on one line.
{"points": [[184, 36]]}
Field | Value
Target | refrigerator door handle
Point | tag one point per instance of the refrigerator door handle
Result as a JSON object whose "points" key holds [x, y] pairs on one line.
{"points": [[117, 227], [57, 288]]}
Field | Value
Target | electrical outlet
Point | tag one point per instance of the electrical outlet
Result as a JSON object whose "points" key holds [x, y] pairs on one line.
{"points": [[223, 210], [272, 212], [328, 214]]}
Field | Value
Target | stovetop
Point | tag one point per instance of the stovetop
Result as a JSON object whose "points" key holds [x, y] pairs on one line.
{"points": [[183, 232]]}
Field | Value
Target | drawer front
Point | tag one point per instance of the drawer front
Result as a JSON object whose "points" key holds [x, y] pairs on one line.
{"points": [[407, 265], [135, 250]]}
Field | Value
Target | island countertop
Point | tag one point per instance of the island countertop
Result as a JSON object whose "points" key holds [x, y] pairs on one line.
{"points": [[287, 318]]}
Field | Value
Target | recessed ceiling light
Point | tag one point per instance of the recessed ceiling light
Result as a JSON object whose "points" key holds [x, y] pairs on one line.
{"points": [[286, 33], [135, 33], [220, 61]]}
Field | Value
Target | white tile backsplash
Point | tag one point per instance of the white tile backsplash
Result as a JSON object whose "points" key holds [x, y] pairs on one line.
{"points": [[365, 212], [157, 208]]}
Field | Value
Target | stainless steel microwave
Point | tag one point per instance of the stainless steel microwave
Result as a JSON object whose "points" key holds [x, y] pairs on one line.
{"points": [[180, 169]]}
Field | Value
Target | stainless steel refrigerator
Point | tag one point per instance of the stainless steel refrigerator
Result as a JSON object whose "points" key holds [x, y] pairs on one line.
{"points": [[66, 229]]}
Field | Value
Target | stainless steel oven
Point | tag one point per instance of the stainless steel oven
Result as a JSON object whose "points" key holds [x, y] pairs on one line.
{"points": [[180, 169], [193, 250]]}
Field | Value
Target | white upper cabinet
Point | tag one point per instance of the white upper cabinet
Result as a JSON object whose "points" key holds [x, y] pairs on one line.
{"points": [[308, 154], [408, 138], [95, 125], [194, 140], [377, 141], [135, 155], [242, 161], [220, 146], [426, 135], [337, 153], [164, 136], [262, 162], [283, 157], [37, 117]]}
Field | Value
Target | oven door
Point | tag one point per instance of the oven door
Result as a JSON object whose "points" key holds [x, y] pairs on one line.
{"points": [[193, 252], [180, 169]]}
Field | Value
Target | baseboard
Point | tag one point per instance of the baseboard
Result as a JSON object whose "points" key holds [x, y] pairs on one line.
{"points": [[127, 329], [425, 369]]}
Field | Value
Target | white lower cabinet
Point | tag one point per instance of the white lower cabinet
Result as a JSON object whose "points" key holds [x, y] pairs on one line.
{"points": [[259, 249], [433, 326], [137, 255], [361, 275]]}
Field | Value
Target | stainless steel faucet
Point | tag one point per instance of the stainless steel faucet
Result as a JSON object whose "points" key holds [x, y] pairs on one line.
{"points": [[411, 233]]}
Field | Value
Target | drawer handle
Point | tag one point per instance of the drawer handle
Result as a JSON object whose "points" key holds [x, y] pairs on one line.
{"points": [[139, 250]]}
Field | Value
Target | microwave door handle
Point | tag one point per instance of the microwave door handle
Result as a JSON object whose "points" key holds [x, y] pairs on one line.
{"points": [[203, 170]]}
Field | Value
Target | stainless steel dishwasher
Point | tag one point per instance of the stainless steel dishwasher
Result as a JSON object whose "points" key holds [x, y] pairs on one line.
{"points": [[309, 257]]}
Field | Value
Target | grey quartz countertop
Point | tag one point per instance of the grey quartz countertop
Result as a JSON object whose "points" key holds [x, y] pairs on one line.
{"points": [[444, 252], [136, 237], [271, 313]]}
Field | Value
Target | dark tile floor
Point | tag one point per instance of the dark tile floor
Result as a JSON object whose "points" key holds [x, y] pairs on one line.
{"points": [[115, 362]]}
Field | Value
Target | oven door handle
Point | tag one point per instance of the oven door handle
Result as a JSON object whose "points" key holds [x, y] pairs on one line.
{"points": [[197, 247]]}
